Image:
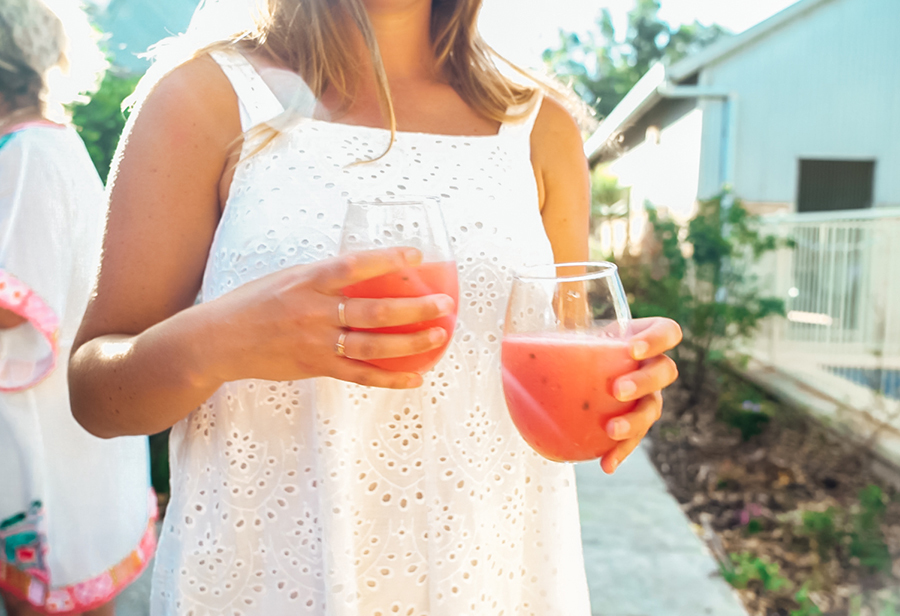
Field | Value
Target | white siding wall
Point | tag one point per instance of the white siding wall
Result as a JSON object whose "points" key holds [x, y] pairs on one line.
{"points": [[665, 174], [827, 85]]}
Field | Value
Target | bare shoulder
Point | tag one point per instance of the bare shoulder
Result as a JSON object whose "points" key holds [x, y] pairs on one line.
{"points": [[164, 201], [557, 156], [195, 99], [556, 137]]}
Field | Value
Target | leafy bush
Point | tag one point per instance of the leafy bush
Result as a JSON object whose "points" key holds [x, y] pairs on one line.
{"points": [[700, 276], [101, 120]]}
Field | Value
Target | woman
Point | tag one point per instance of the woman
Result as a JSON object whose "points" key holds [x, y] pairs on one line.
{"points": [[293, 493], [75, 522]]}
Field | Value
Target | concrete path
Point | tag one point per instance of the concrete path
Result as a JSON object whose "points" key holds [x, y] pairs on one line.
{"points": [[641, 555]]}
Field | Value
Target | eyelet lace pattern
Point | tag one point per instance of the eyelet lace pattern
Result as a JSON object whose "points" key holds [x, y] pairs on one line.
{"points": [[327, 498]]}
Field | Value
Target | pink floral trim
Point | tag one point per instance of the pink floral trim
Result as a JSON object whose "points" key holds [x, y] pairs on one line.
{"points": [[90, 594], [20, 299]]}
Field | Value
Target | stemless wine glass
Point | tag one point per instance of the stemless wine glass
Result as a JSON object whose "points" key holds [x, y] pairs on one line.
{"points": [[390, 221], [565, 341]]}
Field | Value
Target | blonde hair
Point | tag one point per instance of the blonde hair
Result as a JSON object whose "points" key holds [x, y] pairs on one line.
{"points": [[308, 37], [48, 55]]}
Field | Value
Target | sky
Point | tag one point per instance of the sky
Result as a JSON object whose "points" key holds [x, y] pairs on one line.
{"points": [[521, 34]]}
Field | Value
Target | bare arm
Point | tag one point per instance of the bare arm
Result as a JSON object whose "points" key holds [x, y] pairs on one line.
{"points": [[135, 366], [564, 188], [9, 319], [145, 356], [564, 182]]}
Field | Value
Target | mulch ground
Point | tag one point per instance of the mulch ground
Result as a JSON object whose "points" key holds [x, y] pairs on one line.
{"points": [[747, 496]]}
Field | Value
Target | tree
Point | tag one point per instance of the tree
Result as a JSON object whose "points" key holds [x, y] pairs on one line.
{"points": [[602, 69]]}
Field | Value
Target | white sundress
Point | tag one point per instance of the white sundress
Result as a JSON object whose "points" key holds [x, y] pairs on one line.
{"points": [[327, 498], [76, 512]]}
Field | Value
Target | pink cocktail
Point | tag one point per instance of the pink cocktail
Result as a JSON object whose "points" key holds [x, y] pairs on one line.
{"points": [[565, 341], [426, 279], [558, 388], [415, 222]]}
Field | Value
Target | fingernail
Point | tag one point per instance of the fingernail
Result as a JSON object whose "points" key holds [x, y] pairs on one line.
{"points": [[445, 305], [624, 390], [639, 350], [414, 381], [613, 465], [619, 428], [411, 255], [437, 334]]}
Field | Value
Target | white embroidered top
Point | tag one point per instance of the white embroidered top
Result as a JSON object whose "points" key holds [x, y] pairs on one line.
{"points": [[322, 497]]}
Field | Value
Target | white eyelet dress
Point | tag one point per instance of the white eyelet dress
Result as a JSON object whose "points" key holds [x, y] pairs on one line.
{"points": [[327, 498]]}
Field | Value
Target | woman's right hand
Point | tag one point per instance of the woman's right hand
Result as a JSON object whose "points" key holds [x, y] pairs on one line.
{"points": [[145, 355], [285, 326]]}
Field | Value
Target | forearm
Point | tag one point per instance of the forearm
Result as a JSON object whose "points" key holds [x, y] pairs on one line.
{"points": [[9, 319], [123, 385]]}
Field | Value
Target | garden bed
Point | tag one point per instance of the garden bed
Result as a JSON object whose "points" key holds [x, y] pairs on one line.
{"points": [[799, 519]]}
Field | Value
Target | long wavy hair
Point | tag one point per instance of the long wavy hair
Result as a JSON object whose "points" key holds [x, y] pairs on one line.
{"points": [[309, 37]]}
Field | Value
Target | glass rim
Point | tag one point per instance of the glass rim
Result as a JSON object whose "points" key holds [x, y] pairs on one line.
{"points": [[389, 200], [602, 269]]}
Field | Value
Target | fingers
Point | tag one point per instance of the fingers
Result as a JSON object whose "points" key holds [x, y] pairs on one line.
{"points": [[362, 313], [611, 461], [368, 375], [653, 375], [629, 429], [654, 336], [332, 275], [636, 423], [364, 346]]}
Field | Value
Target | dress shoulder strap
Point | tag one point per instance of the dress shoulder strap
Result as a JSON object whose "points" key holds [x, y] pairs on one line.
{"points": [[524, 125], [257, 102]]}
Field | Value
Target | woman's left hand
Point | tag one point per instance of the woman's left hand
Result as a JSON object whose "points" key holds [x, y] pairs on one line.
{"points": [[654, 337]]}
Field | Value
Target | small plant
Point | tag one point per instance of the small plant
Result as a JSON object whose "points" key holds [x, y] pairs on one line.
{"points": [[743, 407], [867, 542], [747, 568], [821, 527], [807, 607]]}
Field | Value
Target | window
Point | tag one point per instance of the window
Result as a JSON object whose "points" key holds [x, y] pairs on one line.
{"points": [[828, 185]]}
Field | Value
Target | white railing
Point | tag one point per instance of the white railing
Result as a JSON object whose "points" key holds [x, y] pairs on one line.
{"points": [[840, 281]]}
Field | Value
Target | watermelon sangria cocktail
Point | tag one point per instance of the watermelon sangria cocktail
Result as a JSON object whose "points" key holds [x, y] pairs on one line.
{"points": [[389, 221], [565, 341]]}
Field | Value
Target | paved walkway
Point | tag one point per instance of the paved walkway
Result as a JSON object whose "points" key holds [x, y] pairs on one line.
{"points": [[642, 557]]}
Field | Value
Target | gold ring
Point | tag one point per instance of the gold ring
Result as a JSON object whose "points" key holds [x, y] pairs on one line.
{"points": [[342, 306], [339, 347]]}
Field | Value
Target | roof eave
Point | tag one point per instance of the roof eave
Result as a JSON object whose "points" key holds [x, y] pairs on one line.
{"points": [[641, 97]]}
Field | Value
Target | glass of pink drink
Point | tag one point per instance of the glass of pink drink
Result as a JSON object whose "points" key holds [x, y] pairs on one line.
{"points": [[404, 221], [565, 342]]}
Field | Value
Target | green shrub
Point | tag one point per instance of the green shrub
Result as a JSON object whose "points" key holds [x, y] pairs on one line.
{"points": [[867, 541], [101, 120], [704, 282], [747, 568]]}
